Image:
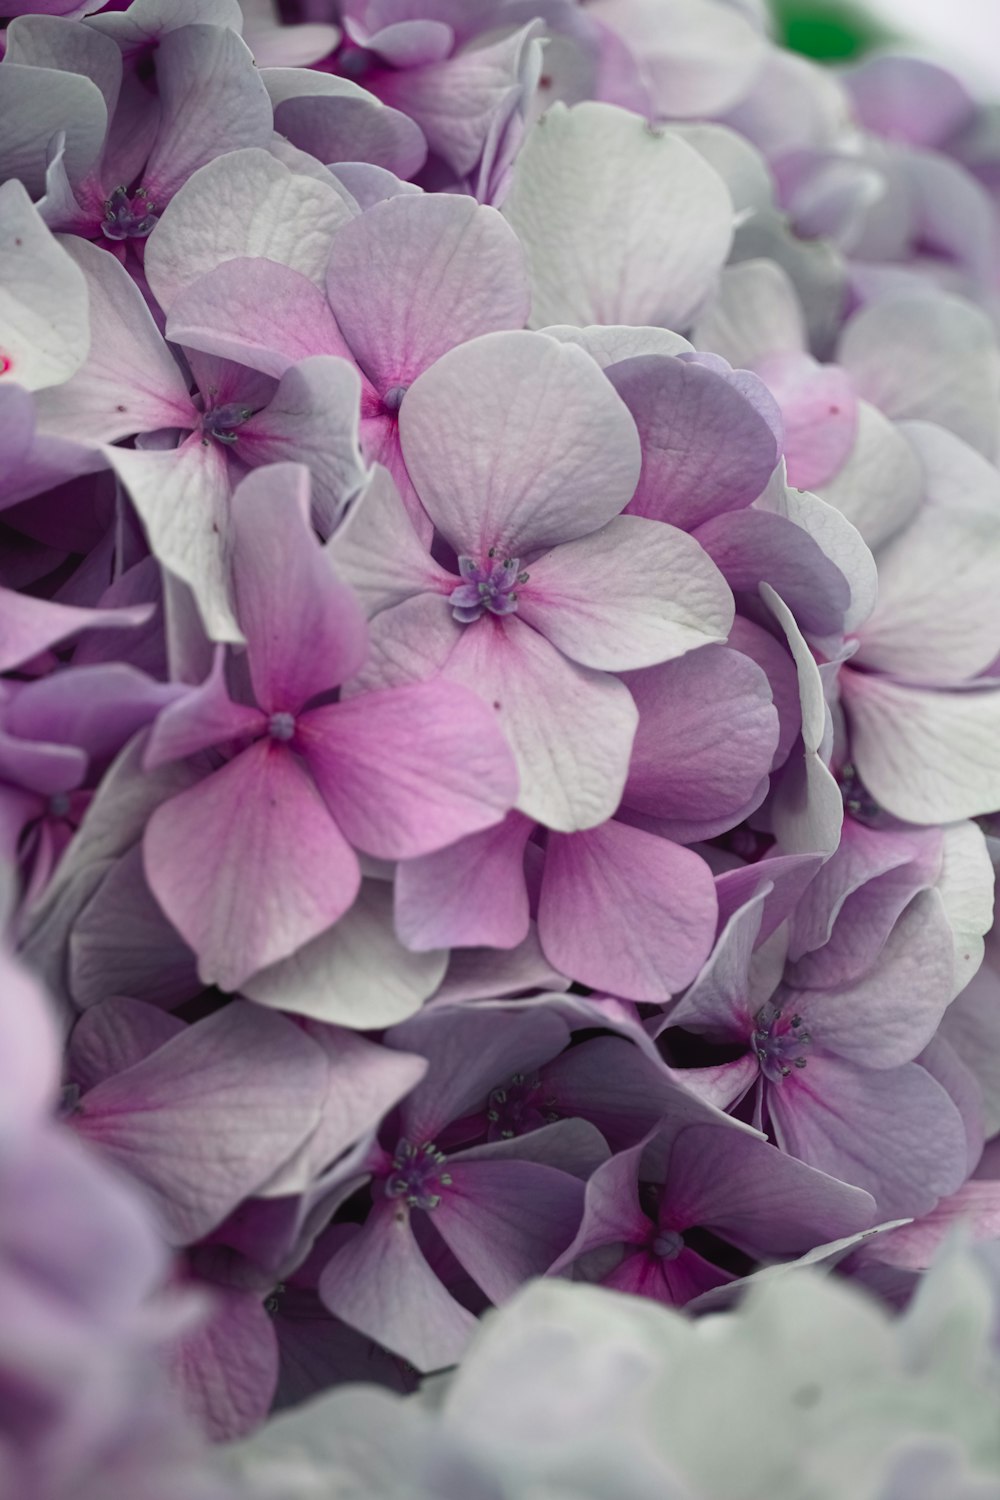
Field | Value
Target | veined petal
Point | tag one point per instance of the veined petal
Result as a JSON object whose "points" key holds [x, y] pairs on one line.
{"points": [[519, 442], [622, 222], [416, 275], [411, 769], [571, 729], [260, 813], [633, 594]]}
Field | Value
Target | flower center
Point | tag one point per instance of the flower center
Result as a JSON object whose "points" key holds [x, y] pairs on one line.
{"points": [[488, 586], [220, 421], [393, 398], [416, 1175], [858, 800], [516, 1107], [668, 1244], [59, 805], [779, 1044], [127, 217], [281, 726]]}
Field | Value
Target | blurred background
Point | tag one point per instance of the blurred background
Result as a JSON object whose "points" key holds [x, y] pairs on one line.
{"points": [[962, 33]]}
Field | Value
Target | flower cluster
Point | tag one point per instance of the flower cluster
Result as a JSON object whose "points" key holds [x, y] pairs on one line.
{"points": [[498, 744]]}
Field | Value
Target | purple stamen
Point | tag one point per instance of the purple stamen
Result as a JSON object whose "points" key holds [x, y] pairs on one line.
{"points": [[220, 421], [779, 1045], [490, 586], [127, 217], [417, 1174], [281, 726]]}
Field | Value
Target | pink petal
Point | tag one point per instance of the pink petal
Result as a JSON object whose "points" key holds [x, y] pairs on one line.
{"points": [[820, 410], [259, 813], [626, 911], [274, 558], [204, 716], [410, 770], [472, 893], [226, 1368]]}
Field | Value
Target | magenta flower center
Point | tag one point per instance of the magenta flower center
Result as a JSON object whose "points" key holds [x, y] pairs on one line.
{"points": [[780, 1044], [417, 1176], [489, 586], [221, 421], [129, 218]]}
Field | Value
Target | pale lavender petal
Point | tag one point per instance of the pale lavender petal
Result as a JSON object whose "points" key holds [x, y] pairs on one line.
{"points": [[246, 204], [212, 102], [507, 1221], [557, 453], [903, 1142], [380, 1283], [632, 594], [209, 1116], [414, 276], [706, 450]]}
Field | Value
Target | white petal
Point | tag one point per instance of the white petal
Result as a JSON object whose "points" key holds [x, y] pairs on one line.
{"points": [[622, 222]]}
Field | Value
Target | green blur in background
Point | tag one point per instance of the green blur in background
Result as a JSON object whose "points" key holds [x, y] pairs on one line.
{"points": [[827, 29]]}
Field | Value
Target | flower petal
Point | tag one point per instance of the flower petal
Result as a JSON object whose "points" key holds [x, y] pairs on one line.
{"points": [[516, 441], [633, 594], [260, 813], [622, 222]]}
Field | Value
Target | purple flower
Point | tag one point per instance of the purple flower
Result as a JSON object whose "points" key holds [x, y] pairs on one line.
{"points": [[396, 773], [832, 1067], [677, 1204], [503, 1209], [520, 450]]}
